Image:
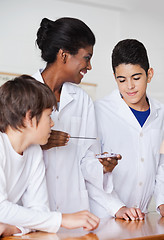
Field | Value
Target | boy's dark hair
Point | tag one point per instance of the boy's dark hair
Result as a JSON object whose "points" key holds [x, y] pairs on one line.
{"points": [[20, 95], [69, 34], [130, 51]]}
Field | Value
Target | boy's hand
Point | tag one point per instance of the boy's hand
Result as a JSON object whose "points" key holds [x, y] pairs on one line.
{"points": [[130, 214], [109, 163], [83, 219], [56, 139], [8, 230], [131, 226], [161, 208]]}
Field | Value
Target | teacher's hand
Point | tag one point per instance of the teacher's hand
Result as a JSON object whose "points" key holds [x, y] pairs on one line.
{"points": [[56, 139]]}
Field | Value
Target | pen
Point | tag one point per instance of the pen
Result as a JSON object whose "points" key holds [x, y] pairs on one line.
{"points": [[84, 137]]}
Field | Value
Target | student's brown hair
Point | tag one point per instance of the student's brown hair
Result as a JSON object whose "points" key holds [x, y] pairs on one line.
{"points": [[20, 95]]}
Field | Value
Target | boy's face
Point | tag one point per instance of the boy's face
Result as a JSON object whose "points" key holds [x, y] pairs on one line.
{"points": [[132, 83], [43, 129]]}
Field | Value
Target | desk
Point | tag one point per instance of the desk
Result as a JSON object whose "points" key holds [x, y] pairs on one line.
{"points": [[109, 229]]}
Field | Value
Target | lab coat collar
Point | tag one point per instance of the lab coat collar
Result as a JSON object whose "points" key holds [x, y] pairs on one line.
{"points": [[124, 112], [155, 106], [67, 95], [67, 92], [38, 76]]}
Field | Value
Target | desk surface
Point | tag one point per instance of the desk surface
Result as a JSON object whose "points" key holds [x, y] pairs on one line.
{"points": [[109, 229]]}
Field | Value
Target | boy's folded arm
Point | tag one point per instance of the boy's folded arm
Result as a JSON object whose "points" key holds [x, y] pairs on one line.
{"points": [[14, 214]]}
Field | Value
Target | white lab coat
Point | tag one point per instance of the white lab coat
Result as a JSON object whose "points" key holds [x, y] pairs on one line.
{"points": [[67, 166], [141, 171]]}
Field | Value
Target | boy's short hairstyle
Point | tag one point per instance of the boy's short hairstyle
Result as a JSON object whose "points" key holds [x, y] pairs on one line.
{"points": [[130, 51], [20, 95]]}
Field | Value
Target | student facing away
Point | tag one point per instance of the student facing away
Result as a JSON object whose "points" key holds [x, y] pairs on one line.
{"points": [[25, 124], [132, 123]]}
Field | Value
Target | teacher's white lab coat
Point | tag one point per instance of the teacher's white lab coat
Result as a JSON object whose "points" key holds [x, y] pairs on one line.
{"points": [[140, 172], [68, 167]]}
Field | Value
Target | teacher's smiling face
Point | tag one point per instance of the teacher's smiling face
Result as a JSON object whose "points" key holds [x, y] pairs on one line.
{"points": [[76, 66]]}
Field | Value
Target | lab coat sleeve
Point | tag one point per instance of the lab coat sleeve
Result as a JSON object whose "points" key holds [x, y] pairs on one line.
{"points": [[159, 186], [99, 185], [107, 178], [90, 164], [35, 213], [92, 148], [103, 199]]}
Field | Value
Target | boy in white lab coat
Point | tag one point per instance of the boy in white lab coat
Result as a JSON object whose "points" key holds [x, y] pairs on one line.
{"points": [[132, 123], [25, 124]]}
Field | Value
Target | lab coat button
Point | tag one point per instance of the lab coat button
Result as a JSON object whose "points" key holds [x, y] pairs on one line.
{"points": [[57, 177], [140, 183], [141, 134], [142, 159]]}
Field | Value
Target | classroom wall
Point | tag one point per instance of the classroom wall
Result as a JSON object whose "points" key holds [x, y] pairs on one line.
{"points": [[148, 27], [20, 19]]}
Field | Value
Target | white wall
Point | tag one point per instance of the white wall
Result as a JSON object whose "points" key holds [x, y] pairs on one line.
{"points": [[20, 19], [148, 27]]}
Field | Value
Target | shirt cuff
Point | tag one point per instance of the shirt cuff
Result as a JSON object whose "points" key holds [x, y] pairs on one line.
{"points": [[58, 215], [23, 231]]}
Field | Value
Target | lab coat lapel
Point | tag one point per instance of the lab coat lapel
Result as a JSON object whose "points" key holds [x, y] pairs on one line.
{"points": [[154, 106], [125, 113], [66, 95]]}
